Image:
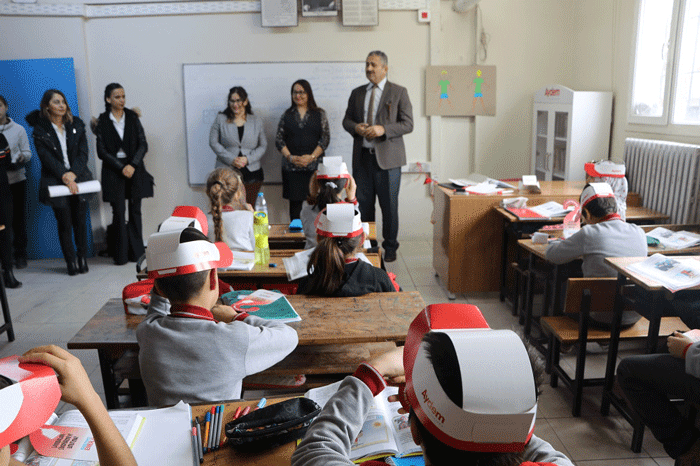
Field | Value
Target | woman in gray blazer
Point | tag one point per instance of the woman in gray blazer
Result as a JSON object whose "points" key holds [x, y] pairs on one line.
{"points": [[238, 139]]}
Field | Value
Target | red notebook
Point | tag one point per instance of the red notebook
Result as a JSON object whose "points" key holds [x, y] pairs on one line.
{"points": [[524, 213]]}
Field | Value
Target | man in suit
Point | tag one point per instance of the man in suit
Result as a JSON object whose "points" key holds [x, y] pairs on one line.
{"points": [[377, 117]]}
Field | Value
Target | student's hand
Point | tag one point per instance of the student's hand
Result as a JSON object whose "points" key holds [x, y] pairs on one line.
{"points": [[361, 129], [128, 171], [75, 385], [223, 313], [248, 207], [351, 189], [374, 131], [677, 343], [390, 365]]}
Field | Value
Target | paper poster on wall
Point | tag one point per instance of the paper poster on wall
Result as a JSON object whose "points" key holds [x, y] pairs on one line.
{"points": [[460, 90], [278, 13]]}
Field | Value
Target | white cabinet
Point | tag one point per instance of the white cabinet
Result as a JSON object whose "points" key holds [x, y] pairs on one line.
{"points": [[569, 128]]}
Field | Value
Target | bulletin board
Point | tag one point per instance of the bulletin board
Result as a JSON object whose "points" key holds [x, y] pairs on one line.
{"points": [[460, 90], [269, 92]]}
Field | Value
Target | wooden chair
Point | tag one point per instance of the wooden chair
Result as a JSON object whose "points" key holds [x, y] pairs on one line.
{"points": [[583, 296]]}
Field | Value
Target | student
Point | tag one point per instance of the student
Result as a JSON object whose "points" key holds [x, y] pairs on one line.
{"points": [[606, 171], [231, 215], [604, 235], [199, 351], [27, 405], [333, 268], [651, 381], [325, 187], [454, 378]]}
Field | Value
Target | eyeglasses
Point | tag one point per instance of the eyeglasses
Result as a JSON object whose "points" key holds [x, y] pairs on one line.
{"points": [[236, 101], [298, 92]]}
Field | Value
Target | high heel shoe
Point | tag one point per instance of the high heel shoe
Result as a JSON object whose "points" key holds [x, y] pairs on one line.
{"points": [[82, 265], [72, 268], [10, 281]]}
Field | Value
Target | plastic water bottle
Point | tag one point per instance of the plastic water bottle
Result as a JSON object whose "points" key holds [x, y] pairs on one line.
{"points": [[572, 221], [262, 233], [261, 204]]}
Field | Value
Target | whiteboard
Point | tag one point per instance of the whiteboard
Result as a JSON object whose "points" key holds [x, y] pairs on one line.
{"points": [[269, 91]]}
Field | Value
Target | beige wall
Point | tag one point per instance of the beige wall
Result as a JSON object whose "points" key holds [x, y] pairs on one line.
{"points": [[584, 45]]}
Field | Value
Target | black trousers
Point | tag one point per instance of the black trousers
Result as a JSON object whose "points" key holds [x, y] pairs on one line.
{"points": [[650, 381], [6, 220], [19, 218], [373, 182], [128, 236], [72, 219]]}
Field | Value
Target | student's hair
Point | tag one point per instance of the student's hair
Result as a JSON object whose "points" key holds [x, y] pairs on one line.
{"points": [[601, 206], [4, 102], [382, 56], [243, 95], [44, 105], [311, 102], [222, 186], [328, 192], [108, 93], [180, 288], [443, 356], [328, 263]]}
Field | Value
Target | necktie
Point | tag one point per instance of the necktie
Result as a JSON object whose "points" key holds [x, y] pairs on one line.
{"points": [[370, 108]]}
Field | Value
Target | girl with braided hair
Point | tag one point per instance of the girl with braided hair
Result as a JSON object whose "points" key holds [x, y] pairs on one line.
{"points": [[231, 215]]}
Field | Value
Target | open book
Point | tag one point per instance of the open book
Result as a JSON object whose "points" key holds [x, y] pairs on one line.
{"points": [[265, 304], [385, 432], [674, 239], [674, 274]]}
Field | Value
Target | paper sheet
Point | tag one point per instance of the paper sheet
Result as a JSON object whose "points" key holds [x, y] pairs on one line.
{"points": [[86, 187]]}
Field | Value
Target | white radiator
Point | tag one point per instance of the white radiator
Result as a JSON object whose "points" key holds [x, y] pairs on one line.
{"points": [[667, 177]]}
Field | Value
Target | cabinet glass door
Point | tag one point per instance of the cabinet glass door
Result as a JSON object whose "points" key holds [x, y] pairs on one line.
{"points": [[541, 154], [561, 129]]}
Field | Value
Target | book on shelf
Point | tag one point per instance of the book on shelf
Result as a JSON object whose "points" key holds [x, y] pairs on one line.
{"points": [[265, 304], [670, 272], [385, 431], [674, 239]]}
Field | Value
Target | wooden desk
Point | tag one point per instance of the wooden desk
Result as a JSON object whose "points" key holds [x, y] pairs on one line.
{"points": [[468, 235], [372, 318], [282, 238]]}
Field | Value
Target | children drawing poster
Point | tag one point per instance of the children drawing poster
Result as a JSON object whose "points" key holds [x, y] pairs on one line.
{"points": [[460, 90]]}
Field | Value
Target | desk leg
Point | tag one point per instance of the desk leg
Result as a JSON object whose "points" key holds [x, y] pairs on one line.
{"points": [[504, 259], [529, 296], [655, 313], [618, 307], [108, 381]]}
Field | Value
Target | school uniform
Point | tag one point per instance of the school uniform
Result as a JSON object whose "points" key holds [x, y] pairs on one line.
{"points": [[360, 278], [187, 355], [330, 436], [308, 216], [237, 226]]}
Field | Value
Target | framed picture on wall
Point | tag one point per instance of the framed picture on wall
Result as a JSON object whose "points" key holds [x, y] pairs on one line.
{"points": [[319, 8], [279, 13]]}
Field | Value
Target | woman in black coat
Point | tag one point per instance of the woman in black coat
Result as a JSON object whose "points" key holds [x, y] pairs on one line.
{"points": [[121, 144], [61, 144]]}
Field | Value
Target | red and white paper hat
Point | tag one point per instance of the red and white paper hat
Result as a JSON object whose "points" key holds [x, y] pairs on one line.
{"points": [[168, 256], [185, 216], [605, 168], [332, 168], [499, 400], [594, 191], [339, 220], [28, 401]]}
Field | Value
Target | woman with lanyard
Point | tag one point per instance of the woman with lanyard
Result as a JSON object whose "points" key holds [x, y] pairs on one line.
{"points": [[303, 135], [61, 144], [121, 145]]}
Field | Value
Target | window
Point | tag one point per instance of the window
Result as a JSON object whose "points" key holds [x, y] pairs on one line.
{"points": [[666, 78]]}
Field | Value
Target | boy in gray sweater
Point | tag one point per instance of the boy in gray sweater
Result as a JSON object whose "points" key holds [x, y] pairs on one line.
{"points": [[200, 351]]}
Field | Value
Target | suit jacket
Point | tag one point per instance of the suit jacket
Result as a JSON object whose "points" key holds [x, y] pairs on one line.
{"points": [[48, 148], [394, 113], [224, 141], [115, 186]]}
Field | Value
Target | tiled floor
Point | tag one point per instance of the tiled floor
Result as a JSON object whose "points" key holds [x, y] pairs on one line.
{"points": [[51, 307]]}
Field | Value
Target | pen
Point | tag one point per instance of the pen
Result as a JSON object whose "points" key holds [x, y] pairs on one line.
{"points": [[195, 449], [261, 404], [246, 410], [215, 430], [207, 421], [211, 428], [221, 427], [238, 413], [199, 441]]}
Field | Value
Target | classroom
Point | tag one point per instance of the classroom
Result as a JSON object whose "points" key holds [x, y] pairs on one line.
{"points": [[584, 45]]}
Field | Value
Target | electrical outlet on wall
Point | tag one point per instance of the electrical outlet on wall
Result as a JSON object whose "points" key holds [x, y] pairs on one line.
{"points": [[424, 16]]}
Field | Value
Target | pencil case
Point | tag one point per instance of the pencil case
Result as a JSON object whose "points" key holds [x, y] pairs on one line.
{"points": [[273, 425]]}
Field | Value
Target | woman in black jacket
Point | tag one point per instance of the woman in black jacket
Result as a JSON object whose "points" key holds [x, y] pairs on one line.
{"points": [[61, 144], [121, 144]]}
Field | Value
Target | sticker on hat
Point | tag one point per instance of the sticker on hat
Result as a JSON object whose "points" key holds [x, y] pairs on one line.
{"points": [[605, 168], [167, 255], [186, 216], [332, 168], [595, 191], [339, 220], [29, 395], [498, 405]]}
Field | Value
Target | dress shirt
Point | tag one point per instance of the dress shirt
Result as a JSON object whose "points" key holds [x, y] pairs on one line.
{"points": [[61, 133], [377, 97], [119, 126]]}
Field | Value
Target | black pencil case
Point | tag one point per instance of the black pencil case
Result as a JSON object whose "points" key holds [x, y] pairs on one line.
{"points": [[273, 425]]}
